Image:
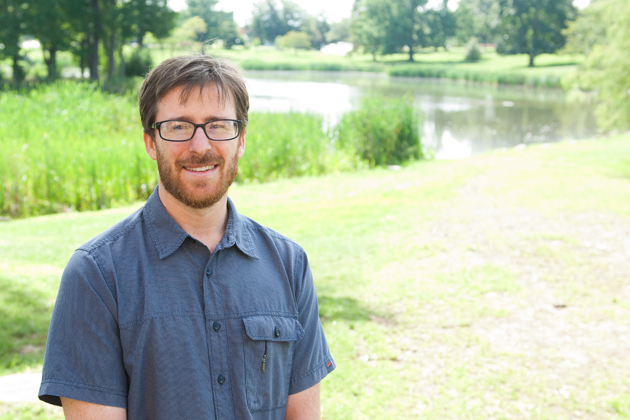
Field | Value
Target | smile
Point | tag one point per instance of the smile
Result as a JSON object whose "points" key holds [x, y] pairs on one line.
{"points": [[201, 169]]}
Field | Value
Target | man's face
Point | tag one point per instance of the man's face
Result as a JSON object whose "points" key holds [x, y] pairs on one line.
{"points": [[197, 172]]}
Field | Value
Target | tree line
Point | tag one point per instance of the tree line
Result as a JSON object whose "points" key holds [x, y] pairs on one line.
{"points": [[90, 29]]}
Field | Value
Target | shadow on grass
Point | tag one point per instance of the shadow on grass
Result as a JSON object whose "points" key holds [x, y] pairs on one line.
{"points": [[574, 63], [24, 319], [344, 308]]}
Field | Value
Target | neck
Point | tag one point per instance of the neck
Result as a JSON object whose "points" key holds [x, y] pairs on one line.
{"points": [[207, 225]]}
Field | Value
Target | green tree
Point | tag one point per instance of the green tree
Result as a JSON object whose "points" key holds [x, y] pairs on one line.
{"points": [[143, 16], [588, 30], [50, 24], [219, 24], [271, 19], [386, 27], [606, 67], [477, 19], [440, 24], [534, 27], [13, 25], [370, 25], [339, 31], [189, 35]]}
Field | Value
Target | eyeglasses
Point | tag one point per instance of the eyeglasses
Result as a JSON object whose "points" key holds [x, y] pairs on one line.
{"points": [[217, 130]]}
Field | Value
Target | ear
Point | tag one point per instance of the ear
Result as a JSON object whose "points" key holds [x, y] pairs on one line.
{"points": [[241, 145], [149, 145]]}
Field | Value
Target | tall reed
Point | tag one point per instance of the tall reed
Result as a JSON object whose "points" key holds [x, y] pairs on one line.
{"points": [[70, 146]]}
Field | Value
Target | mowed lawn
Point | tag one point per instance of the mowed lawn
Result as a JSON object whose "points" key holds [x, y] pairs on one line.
{"points": [[495, 287]]}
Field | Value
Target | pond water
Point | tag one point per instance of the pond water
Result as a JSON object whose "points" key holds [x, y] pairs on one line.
{"points": [[457, 119]]}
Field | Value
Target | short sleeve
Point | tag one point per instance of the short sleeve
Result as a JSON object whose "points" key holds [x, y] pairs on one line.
{"points": [[311, 358], [83, 358]]}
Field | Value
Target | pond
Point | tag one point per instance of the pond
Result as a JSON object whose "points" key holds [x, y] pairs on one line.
{"points": [[457, 119]]}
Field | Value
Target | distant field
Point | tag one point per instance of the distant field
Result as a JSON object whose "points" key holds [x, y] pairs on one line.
{"points": [[489, 288]]}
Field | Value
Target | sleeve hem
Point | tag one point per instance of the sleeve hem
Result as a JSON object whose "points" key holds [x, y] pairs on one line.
{"points": [[51, 391], [313, 377]]}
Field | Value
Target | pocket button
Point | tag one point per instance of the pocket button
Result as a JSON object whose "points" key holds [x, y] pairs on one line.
{"points": [[276, 332]]}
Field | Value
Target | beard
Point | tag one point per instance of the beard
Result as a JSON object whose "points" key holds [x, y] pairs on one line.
{"points": [[177, 188]]}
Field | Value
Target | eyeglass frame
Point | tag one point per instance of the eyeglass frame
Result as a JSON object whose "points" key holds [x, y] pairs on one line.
{"points": [[239, 124]]}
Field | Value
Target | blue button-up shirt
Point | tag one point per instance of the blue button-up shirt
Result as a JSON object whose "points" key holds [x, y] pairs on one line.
{"points": [[148, 319]]}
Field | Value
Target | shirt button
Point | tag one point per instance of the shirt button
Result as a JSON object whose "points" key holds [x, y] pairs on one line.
{"points": [[221, 379], [208, 271], [216, 326], [276, 332]]}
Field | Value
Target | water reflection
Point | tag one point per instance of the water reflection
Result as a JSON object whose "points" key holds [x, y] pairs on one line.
{"points": [[458, 119]]}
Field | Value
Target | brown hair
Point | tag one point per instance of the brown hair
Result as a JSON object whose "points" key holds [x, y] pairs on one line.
{"points": [[190, 72]]}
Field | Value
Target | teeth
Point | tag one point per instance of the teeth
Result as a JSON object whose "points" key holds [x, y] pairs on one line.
{"points": [[202, 169]]}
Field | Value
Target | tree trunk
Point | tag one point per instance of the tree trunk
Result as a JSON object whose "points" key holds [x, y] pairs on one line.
{"points": [[18, 72], [121, 60], [82, 57], [111, 59], [51, 61], [531, 60], [93, 42], [411, 54]]}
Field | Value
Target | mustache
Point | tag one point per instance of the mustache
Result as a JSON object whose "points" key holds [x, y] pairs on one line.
{"points": [[208, 159]]}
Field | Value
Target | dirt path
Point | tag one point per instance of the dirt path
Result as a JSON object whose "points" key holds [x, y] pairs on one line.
{"points": [[562, 341]]}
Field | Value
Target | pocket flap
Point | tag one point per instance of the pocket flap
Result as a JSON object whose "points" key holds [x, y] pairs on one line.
{"points": [[273, 328]]}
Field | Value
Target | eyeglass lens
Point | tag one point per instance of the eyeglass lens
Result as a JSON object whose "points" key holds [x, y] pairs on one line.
{"points": [[184, 130]]}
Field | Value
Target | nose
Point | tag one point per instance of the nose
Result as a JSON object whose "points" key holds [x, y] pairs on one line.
{"points": [[200, 143]]}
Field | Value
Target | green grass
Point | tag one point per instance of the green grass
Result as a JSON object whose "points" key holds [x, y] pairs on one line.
{"points": [[489, 288]]}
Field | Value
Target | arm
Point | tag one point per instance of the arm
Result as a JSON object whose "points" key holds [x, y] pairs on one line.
{"points": [[81, 410], [304, 405]]}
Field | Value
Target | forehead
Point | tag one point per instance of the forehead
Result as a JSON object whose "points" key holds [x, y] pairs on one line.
{"points": [[209, 98]]}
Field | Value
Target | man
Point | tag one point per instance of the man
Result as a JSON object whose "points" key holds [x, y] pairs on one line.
{"points": [[186, 309]]}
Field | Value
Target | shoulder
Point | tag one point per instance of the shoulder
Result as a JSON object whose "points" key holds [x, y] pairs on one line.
{"points": [[128, 227], [261, 235]]}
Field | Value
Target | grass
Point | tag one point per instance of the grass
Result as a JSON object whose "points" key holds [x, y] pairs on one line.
{"points": [[489, 288]]}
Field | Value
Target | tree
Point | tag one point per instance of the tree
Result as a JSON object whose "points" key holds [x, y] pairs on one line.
{"points": [[50, 24], [388, 26], [270, 19], [190, 35], [588, 30], [477, 19], [369, 26], [219, 24], [315, 28], [13, 18], [339, 31], [533, 27], [143, 16], [606, 67], [441, 25]]}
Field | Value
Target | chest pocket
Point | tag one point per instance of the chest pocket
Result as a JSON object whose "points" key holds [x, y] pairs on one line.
{"points": [[268, 347]]}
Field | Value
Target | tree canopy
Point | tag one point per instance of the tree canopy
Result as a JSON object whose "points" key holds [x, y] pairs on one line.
{"points": [[533, 27]]}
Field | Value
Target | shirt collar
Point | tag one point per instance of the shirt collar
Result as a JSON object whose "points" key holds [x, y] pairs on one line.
{"points": [[168, 236]]}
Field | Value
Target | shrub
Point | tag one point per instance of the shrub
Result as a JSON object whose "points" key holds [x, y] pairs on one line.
{"points": [[139, 63], [382, 131], [473, 53]]}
